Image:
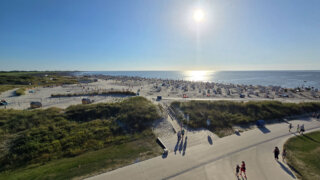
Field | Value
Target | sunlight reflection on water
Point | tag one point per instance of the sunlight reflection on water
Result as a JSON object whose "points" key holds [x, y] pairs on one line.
{"points": [[198, 75]]}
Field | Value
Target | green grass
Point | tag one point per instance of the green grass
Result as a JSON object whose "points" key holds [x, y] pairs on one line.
{"points": [[24, 79], [95, 93], [32, 137], [303, 153], [224, 114], [89, 163], [20, 91], [38, 78], [4, 88], [19, 73]]}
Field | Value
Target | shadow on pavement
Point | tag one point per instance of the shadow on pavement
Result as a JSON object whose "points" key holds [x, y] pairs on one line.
{"points": [[287, 170], [295, 170], [181, 145], [176, 147], [185, 146], [264, 130], [237, 133], [164, 155], [210, 140]]}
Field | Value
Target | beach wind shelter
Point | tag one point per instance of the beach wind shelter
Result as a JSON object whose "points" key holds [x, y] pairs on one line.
{"points": [[34, 105], [86, 101]]}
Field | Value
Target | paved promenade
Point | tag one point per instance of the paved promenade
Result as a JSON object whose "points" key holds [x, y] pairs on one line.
{"points": [[217, 160]]}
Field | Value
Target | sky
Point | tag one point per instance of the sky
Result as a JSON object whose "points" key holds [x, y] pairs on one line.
{"points": [[99, 35]]}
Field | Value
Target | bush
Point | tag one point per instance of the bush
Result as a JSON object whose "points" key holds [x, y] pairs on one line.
{"points": [[20, 91]]}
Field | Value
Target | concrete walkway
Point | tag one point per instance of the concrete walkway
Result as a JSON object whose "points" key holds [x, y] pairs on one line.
{"points": [[219, 159]]}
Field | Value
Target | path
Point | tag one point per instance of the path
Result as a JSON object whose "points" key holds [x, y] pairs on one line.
{"points": [[217, 161]]}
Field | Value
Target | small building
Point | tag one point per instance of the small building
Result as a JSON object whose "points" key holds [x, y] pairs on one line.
{"points": [[34, 105], [86, 101], [159, 98]]}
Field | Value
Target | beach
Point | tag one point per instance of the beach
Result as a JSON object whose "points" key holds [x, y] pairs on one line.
{"points": [[153, 88]]}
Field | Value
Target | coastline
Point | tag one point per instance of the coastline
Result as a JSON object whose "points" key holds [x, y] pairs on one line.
{"points": [[151, 88]]}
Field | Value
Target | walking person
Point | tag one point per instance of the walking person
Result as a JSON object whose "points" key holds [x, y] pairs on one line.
{"points": [[243, 169], [302, 129], [276, 152], [237, 171], [284, 154], [290, 127], [298, 128]]}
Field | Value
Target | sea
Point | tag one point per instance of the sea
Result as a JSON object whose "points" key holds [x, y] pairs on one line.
{"points": [[286, 79]]}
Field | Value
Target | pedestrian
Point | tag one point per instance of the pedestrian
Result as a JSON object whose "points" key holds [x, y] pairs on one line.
{"points": [[290, 127], [284, 154], [276, 152], [237, 170], [298, 128], [243, 169], [302, 129]]}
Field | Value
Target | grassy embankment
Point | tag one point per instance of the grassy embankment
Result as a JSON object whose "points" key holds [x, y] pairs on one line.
{"points": [[82, 139], [25, 80], [224, 114], [304, 155], [96, 93]]}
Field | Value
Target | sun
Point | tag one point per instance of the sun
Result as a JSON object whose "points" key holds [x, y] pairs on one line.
{"points": [[198, 15]]}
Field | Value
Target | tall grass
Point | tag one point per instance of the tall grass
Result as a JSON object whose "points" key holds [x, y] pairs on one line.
{"points": [[225, 114], [95, 93], [46, 135]]}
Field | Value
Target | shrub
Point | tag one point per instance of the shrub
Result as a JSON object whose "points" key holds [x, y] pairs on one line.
{"points": [[20, 91]]}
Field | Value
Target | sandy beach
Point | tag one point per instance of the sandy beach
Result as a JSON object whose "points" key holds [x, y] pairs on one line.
{"points": [[169, 90]]}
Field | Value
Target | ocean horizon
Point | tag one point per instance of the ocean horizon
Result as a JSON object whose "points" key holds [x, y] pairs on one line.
{"points": [[285, 78]]}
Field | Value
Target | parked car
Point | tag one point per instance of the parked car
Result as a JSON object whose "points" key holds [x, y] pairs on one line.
{"points": [[3, 102]]}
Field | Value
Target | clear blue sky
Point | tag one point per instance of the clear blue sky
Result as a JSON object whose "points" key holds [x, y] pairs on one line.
{"points": [[159, 35]]}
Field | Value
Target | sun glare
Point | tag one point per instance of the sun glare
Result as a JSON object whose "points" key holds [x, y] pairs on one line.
{"points": [[198, 75], [198, 15]]}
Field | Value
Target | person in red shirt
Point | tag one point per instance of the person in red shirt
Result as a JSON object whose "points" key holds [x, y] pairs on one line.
{"points": [[243, 169]]}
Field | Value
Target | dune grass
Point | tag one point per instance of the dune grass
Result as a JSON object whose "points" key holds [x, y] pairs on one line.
{"points": [[95, 93], [10, 80], [225, 114], [4, 88], [36, 138], [30, 79], [90, 163], [303, 154]]}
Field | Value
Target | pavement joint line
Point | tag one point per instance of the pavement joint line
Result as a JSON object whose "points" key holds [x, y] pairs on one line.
{"points": [[230, 153]]}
